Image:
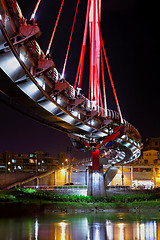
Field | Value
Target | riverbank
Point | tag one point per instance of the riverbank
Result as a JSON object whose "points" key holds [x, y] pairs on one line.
{"points": [[28, 202], [29, 209]]}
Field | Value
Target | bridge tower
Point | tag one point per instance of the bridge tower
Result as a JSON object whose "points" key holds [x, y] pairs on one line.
{"points": [[96, 185]]}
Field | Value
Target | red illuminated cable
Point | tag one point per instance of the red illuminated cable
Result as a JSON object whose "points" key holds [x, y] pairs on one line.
{"points": [[93, 45], [103, 82], [75, 83], [35, 10], [109, 72], [50, 43], [89, 93], [97, 87], [65, 62], [89, 89], [84, 45], [102, 66], [111, 80], [101, 101]]}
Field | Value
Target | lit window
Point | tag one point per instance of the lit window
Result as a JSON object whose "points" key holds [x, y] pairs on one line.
{"points": [[31, 160], [2, 166]]}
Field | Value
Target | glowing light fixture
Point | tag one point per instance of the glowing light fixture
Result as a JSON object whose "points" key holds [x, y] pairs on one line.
{"points": [[41, 83], [58, 100], [11, 65], [49, 106], [62, 76], [63, 171], [85, 127], [76, 114], [31, 89], [22, 57], [68, 118]]}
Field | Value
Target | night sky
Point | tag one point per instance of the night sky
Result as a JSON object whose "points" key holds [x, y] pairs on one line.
{"points": [[131, 36]]}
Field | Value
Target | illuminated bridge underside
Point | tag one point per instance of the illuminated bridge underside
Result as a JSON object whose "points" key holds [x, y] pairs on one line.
{"points": [[31, 79]]}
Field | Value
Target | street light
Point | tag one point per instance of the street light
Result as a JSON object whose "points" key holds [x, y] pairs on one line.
{"points": [[69, 151], [122, 176]]}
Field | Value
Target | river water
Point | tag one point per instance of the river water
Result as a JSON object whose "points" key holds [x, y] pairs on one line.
{"points": [[114, 226]]}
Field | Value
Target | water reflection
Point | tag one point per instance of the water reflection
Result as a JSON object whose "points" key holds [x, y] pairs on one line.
{"points": [[81, 227]]}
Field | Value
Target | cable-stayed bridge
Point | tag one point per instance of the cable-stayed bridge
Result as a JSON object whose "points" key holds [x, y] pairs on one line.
{"points": [[30, 77]]}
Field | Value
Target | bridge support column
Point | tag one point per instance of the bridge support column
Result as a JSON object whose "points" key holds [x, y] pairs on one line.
{"points": [[96, 185]]}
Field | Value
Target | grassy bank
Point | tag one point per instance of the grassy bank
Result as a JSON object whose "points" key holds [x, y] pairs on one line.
{"points": [[28, 200]]}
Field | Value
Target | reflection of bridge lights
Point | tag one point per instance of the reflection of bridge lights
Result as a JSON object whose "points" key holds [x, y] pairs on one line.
{"points": [[149, 230], [142, 231], [109, 230], [36, 229], [121, 234], [63, 230], [146, 231], [137, 232], [97, 232]]}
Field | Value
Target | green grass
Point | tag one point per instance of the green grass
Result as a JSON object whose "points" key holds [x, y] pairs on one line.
{"points": [[30, 196]]}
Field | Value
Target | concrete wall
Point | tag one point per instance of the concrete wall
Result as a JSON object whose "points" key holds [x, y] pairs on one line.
{"points": [[71, 191], [78, 178]]}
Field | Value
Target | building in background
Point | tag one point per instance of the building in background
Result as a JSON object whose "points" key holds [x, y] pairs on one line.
{"points": [[30, 162], [144, 172], [152, 144]]}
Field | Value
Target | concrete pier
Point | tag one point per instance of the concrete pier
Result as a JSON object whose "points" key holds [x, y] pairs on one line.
{"points": [[96, 185]]}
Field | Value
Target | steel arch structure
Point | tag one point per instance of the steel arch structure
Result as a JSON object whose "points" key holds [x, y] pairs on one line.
{"points": [[30, 77]]}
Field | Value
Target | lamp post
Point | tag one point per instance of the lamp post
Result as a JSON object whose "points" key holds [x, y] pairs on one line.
{"points": [[122, 176], [69, 174]]}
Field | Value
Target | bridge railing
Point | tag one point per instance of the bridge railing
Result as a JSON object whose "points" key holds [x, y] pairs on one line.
{"points": [[56, 187]]}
